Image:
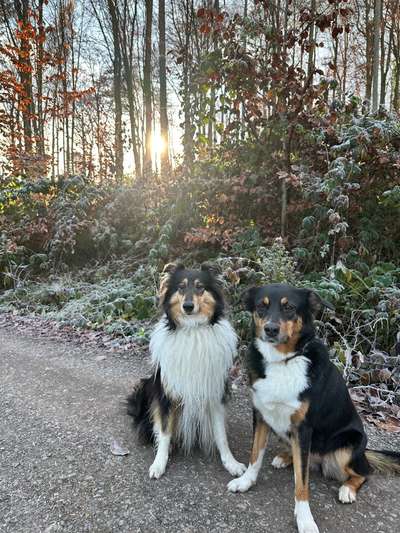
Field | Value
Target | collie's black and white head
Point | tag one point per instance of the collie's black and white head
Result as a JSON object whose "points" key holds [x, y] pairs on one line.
{"points": [[191, 297], [283, 315]]}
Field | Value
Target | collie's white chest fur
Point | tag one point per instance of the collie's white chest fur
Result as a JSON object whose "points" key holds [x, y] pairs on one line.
{"points": [[276, 396], [194, 361]]}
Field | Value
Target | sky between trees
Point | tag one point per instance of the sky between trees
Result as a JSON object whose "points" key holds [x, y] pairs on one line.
{"points": [[113, 87]]}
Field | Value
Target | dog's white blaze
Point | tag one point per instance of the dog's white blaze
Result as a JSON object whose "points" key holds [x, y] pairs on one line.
{"points": [[277, 395], [194, 360]]}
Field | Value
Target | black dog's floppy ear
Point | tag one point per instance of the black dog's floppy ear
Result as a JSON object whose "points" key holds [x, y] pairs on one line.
{"points": [[248, 298], [317, 303], [168, 270]]}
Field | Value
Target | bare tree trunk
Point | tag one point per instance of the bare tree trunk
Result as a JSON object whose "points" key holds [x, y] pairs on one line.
{"points": [[311, 52], [369, 46], [117, 86], [164, 159], [22, 8], [386, 57], [375, 74], [147, 167], [345, 60], [39, 81], [211, 116], [396, 66]]}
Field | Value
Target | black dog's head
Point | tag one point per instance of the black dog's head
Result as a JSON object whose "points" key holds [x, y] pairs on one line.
{"points": [[190, 297], [283, 314]]}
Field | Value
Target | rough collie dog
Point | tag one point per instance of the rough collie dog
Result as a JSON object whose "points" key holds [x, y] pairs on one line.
{"points": [[299, 394], [192, 349]]}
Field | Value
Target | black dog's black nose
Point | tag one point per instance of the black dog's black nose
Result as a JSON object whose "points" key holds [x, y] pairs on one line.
{"points": [[271, 330], [188, 307]]}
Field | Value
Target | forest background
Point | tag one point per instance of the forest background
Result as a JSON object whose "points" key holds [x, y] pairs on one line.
{"points": [[261, 135]]}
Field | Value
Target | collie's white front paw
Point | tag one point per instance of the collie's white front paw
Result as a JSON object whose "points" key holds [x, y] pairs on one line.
{"points": [[234, 467], [279, 462], [304, 518], [240, 484], [347, 494], [157, 469]]}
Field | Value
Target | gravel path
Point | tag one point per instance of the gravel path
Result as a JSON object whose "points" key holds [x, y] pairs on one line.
{"points": [[60, 408]]}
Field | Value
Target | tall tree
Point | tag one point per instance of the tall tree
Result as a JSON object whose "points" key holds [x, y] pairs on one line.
{"points": [[22, 9], [164, 160], [117, 87], [147, 91], [375, 68]]}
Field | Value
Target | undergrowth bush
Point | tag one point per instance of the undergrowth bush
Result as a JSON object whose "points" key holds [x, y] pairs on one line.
{"points": [[65, 245]]}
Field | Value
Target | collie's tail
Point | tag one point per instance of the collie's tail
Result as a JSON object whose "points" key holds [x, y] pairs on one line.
{"points": [[138, 407], [384, 461]]}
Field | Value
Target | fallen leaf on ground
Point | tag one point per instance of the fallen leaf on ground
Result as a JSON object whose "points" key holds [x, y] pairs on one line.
{"points": [[117, 449]]}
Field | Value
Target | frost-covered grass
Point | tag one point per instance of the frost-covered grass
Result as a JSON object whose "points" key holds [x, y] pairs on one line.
{"points": [[118, 305]]}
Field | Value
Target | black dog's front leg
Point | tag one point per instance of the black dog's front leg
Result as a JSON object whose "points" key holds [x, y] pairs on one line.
{"points": [[301, 443]]}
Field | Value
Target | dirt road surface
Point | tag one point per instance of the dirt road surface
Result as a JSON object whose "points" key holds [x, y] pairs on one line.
{"points": [[60, 408]]}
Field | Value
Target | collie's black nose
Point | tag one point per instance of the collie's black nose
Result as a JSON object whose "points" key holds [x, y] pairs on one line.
{"points": [[188, 307], [271, 330]]}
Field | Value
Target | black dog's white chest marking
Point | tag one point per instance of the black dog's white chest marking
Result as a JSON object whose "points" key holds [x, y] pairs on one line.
{"points": [[276, 396]]}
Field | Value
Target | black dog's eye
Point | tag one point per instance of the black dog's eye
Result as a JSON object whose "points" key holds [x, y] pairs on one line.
{"points": [[181, 287], [200, 288], [261, 308], [289, 308]]}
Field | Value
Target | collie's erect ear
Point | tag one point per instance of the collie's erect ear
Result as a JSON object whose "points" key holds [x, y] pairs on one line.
{"points": [[168, 270], [248, 298], [317, 303], [213, 269]]}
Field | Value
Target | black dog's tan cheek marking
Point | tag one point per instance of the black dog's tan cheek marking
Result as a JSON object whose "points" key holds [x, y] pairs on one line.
{"points": [[205, 303], [290, 329], [266, 300], [259, 324], [284, 301]]}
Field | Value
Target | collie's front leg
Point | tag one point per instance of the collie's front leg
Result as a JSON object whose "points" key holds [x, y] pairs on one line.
{"points": [[260, 439], [163, 434], [219, 429]]}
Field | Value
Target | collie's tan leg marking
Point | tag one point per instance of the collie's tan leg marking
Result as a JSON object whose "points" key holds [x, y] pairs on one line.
{"points": [[282, 460], [301, 461], [243, 483], [163, 440]]}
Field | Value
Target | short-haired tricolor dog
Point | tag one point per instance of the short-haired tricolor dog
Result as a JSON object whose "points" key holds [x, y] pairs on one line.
{"points": [[299, 394], [192, 349]]}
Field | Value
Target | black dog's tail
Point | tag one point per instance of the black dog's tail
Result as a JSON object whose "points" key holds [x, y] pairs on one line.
{"points": [[139, 408], [384, 461]]}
